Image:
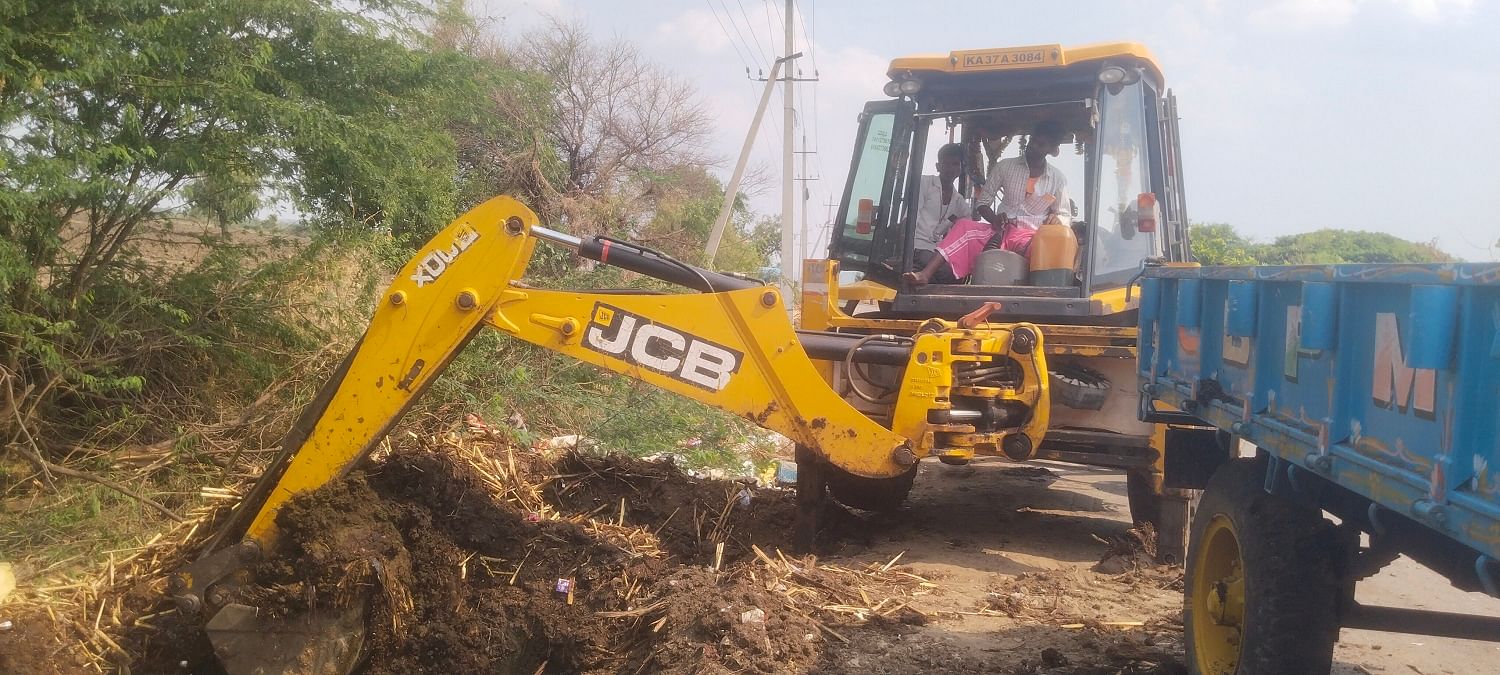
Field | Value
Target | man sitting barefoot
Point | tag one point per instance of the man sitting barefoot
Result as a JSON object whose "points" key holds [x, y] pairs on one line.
{"points": [[939, 206]]}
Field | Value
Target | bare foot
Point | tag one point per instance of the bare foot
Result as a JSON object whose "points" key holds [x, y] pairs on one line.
{"points": [[915, 279]]}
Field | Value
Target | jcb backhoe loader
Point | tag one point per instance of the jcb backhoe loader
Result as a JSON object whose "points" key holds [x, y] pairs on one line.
{"points": [[947, 380], [731, 345], [1126, 209]]}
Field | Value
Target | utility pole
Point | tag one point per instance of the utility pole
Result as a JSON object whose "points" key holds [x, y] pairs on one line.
{"points": [[806, 226], [789, 116], [788, 236], [733, 189]]}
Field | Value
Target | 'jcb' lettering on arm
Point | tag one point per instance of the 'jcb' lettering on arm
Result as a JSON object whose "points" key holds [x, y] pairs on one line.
{"points": [[436, 262], [681, 356]]}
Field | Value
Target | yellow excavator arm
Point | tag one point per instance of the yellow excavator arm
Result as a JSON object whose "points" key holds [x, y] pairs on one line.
{"points": [[731, 345]]}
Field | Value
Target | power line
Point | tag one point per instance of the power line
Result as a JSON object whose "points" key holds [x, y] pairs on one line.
{"points": [[813, 34], [770, 28], [811, 53], [772, 57], [759, 53], [764, 56], [751, 29], [808, 32], [727, 36]]}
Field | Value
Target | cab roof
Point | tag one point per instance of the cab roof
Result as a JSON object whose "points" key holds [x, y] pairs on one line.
{"points": [[1023, 58]]}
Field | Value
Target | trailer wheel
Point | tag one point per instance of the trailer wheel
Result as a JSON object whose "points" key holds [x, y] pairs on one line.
{"points": [[870, 494], [1170, 515], [1262, 581]]}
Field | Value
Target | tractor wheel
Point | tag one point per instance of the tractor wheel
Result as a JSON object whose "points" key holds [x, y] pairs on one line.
{"points": [[1262, 587], [1170, 515], [870, 494]]}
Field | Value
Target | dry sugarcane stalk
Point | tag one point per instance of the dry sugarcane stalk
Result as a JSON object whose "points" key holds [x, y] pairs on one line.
{"points": [[639, 611]]}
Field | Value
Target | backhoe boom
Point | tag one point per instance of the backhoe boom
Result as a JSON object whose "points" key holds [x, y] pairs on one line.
{"points": [[731, 346]]}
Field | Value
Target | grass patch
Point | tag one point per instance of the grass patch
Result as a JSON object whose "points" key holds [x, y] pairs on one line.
{"points": [[530, 393], [80, 523]]}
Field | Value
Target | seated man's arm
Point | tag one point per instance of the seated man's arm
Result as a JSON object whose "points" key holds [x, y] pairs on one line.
{"points": [[984, 199], [1060, 204]]}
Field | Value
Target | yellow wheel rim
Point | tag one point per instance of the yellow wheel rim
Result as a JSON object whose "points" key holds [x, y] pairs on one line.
{"points": [[1218, 599]]}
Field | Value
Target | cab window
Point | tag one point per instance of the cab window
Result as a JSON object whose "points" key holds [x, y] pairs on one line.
{"points": [[866, 188], [1124, 177]]}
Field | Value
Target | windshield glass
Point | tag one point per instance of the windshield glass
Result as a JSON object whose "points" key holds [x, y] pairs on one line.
{"points": [[865, 187], [1119, 247], [979, 160]]}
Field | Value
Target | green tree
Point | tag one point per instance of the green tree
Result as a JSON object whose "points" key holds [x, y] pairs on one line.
{"points": [[1330, 246], [681, 206], [225, 197], [1220, 244], [109, 109]]}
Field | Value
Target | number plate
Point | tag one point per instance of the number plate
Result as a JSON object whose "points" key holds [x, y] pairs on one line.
{"points": [[995, 59]]}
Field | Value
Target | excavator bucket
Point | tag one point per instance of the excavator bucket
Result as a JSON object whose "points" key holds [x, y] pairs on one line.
{"points": [[318, 642]]}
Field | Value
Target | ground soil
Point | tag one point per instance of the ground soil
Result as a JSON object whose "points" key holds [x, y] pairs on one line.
{"points": [[1027, 569], [459, 581]]}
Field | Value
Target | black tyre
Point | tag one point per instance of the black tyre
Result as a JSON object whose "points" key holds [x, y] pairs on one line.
{"points": [[1262, 580], [1170, 515], [870, 494]]}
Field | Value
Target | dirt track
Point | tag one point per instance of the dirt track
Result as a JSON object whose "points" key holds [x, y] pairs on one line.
{"points": [[982, 525]]}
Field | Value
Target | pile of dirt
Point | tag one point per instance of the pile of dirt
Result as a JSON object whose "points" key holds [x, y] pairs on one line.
{"points": [[458, 579], [1132, 551], [689, 515]]}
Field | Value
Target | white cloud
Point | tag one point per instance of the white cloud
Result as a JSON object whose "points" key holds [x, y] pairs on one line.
{"points": [[1305, 14], [1433, 11], [699, 29], [1316, 14]]}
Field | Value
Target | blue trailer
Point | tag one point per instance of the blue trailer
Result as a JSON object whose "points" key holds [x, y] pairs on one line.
{"points": [[1370, 393]]}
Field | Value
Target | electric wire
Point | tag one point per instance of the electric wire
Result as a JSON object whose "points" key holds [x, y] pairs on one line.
{"points": [[807, 37], [759, 53], [775, 122], [732, 43], [751, 29]]}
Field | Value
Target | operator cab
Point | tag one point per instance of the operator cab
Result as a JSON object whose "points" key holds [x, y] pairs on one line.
{"points": [[1119, 157]]}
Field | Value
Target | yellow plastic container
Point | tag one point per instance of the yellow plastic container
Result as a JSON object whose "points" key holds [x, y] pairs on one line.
{"points": [[1054, 248]]}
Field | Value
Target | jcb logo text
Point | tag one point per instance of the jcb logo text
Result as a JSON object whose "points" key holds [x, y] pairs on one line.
{"points": [[678, 355], [435, 263]]}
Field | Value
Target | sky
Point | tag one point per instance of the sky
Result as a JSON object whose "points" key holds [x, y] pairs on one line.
{"points": [[1296, 114]]}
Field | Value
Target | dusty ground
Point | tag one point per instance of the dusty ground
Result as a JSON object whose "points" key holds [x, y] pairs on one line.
{"points": [[985, 528], [989, 568], [1407, 584], [1022, 541]]}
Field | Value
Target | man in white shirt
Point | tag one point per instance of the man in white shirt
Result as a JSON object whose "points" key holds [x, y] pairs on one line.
{"points": [[1030, 190], [939, 205], [1029, 187]]}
